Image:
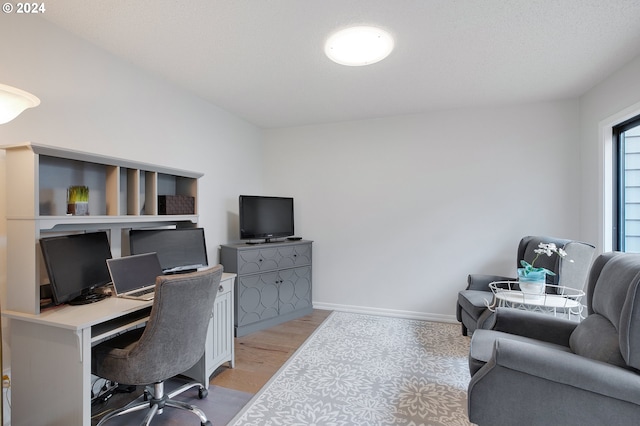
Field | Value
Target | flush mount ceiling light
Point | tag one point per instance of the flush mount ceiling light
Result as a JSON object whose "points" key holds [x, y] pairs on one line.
{"points": [[13, 101], [357, 46]]}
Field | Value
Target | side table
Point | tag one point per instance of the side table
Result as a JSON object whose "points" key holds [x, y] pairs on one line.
{"points": [[557, 300]]}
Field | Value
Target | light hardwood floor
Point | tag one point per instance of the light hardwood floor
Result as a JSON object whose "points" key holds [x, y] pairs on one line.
{"points": [[260, 354]]}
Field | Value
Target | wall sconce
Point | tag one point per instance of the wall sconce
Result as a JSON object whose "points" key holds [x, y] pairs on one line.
{"points": [[13, 101]]}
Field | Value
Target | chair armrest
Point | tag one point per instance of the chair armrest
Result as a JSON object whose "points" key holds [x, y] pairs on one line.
{"points": [[557, 388], [481, 281], [535, 325], [565, 368]]}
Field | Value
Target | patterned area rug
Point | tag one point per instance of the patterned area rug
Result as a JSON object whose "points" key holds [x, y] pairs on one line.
{"points": [[369, 370]]}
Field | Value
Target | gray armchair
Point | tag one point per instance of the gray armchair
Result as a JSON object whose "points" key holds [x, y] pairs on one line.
{"points": [[471, 309], [171, 343], [536, 369]]}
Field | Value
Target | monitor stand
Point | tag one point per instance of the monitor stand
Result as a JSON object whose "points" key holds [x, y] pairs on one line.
{"points": [[266, 241], [87, 298]]}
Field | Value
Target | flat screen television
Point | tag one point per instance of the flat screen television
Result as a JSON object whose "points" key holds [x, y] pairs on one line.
{"points": [[179, 250], [76, 265], [265, 217]]}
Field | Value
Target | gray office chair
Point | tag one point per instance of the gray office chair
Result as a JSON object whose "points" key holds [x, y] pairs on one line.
{"points": [[171, 343], [536, 369], [571, 271]]}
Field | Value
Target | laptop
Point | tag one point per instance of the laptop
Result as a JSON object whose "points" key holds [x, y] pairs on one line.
{"points": [[134, 277]]}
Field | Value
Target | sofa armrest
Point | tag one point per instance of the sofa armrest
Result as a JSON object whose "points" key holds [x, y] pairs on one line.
{"points": [[481, 281], [535, 325], [551, 387]]}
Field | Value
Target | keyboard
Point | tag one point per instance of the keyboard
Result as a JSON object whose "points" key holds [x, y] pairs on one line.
{"points": [[142, 292]]}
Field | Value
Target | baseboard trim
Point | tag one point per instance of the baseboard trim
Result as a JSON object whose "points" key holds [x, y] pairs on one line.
{"points": [[386, 312]]}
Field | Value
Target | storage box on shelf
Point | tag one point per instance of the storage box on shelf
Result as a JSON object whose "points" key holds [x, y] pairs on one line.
{"points": [[123, 194], [176, 204]]}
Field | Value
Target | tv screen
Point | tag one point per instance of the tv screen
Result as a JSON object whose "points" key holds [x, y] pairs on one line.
{"points": [[179, 250], [76, 264], [265, 217]]}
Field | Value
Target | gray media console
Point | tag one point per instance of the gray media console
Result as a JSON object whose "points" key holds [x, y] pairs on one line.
{"points": [[273, 283]]}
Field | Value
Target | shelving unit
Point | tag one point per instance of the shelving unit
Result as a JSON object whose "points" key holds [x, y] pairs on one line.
{"points": [[123, 194]]}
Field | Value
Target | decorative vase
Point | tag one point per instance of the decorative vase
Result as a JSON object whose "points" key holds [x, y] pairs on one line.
{"points": [[80, 208], [533, 282]]}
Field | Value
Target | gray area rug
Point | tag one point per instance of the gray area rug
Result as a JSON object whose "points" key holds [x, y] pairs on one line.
{"points": [[220, 406], [368, 370]]}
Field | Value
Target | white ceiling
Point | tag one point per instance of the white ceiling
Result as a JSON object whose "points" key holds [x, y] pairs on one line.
{"points": [[263, 60]]}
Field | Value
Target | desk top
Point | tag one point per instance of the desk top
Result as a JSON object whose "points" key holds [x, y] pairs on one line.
{"points": [[83, 316]]}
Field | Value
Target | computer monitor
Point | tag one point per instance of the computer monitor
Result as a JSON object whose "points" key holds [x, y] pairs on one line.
{"points": [[76, 265], [179, 250]]}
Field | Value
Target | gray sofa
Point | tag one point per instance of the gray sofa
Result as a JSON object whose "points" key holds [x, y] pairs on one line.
{"points": [[571, 271], [537, 369]]}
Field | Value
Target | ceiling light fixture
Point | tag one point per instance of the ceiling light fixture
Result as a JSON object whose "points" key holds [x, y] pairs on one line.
{"points": [[357, 46], [13, 101]]}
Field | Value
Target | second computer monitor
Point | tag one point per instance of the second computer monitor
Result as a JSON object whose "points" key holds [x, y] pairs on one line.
{"points": [[179, 250]]}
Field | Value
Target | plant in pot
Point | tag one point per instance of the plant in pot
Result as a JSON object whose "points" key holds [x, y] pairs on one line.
{"points": [[78, 200], [532, 279]]}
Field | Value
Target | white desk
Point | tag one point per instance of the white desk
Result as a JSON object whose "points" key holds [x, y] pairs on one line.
{"points": [[51, 356], [561, 300]]}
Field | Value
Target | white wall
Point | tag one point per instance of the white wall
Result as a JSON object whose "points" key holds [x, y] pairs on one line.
{"points": [[401, 209], [610, 102], [94, 102]]}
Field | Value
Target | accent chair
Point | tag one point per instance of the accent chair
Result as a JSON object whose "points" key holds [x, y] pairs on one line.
{"points": [[571, 271], [537, 369]]}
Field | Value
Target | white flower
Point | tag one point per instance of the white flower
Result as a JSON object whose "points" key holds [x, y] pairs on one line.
{"points": [[543, 248], [549, 249]]}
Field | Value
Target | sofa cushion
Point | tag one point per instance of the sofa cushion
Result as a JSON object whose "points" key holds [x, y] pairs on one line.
{"points": [[474, 302], [597, 338]]}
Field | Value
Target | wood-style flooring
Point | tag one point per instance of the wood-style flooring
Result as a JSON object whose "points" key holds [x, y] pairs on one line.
{"points": [[259, 355]]}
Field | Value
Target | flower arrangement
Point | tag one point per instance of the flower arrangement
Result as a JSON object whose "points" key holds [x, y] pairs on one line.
{"points": [[543, 248]]}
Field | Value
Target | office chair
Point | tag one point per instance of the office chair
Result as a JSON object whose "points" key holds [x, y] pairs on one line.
{"points": [[172, 342]]}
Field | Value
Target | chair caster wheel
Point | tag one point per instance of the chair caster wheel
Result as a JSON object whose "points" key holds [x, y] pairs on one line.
{"points": [[207, 423], [202, 393], [145, 395]]}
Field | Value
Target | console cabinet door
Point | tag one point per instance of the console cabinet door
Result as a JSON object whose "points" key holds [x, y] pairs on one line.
{"points": [[257, 298], [222, 338], [294, 289]]}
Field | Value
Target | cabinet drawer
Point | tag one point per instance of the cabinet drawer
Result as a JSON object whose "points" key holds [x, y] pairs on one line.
{"points": [[273, 258], [225, 286]]}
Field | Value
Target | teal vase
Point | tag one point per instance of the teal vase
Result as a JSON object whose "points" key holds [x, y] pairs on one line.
{"points": [[532, 282]]}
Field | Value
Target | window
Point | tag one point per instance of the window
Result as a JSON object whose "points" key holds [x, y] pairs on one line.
{"points": [[626, 143]]}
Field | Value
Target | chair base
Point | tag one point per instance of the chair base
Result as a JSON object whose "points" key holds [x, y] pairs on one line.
{"points": [[159, 401]]}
